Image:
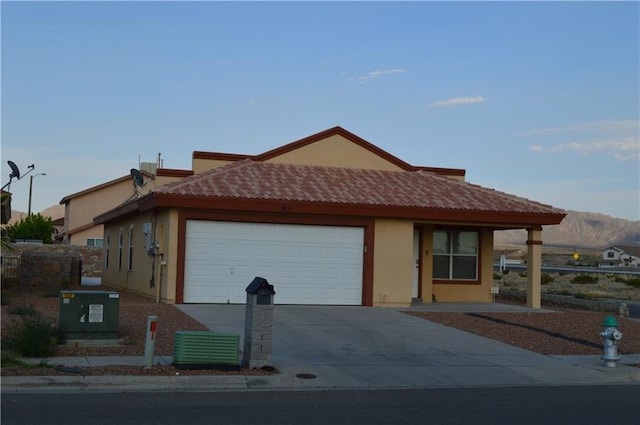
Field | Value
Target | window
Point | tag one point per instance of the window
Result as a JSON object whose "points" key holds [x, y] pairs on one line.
{"points": [[106, 251], [610, 254], [94, 242], [120, 250], [130, 258], [455, 255]]}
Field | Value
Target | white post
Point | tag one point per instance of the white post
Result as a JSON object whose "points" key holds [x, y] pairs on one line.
{"points": [[150, 341]]}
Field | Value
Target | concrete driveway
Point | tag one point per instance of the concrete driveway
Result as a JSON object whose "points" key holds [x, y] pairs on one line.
{"points": [[365, 347]]}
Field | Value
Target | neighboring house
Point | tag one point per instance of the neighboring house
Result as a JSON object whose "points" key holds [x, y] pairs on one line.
{"points": [[618, 256], [82, 207], [328, 219]]}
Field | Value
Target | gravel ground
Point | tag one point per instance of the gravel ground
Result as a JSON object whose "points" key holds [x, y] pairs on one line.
{"points": [[562, 332]]}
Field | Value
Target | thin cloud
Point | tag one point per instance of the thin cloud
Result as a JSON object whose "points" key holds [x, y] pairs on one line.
{"points": [[377, 74], [623, 150], [599, 126], [466, 100], [618, 139]]}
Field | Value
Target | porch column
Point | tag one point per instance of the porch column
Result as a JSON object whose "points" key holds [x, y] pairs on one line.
{"points": [[534, 267]]}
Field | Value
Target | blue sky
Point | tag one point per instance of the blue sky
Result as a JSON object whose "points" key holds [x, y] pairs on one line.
{"points": [[539, 99]]}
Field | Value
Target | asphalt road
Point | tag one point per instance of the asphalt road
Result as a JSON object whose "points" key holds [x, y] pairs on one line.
{"points": [[595, 405]]}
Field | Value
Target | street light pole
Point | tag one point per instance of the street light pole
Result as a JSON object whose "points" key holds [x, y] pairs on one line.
{"points": [[31, 188]]}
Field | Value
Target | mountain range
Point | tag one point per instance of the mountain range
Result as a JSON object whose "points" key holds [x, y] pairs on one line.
{"points": [[580, 230]]}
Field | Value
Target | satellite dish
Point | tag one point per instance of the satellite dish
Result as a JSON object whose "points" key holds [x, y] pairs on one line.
{"points": [[15, 172], [138, 180]]}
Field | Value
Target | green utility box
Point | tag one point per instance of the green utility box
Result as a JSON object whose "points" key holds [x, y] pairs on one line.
{"points": [[206, 349], [88, 315]]}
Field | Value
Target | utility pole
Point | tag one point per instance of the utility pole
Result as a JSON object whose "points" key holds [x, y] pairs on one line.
{"points": [[31, 188]]}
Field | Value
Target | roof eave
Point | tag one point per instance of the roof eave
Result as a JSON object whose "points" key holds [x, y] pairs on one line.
{"points": [[120, 211], [504, 219]]}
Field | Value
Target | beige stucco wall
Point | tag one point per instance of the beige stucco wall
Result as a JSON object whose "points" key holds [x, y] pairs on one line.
{"points": [[335, 151], [393, 263], [167, 240], [81, 209], [199, 165], [392, 269], [144, 267], [472, 293], [80, 237], [161, 180]]}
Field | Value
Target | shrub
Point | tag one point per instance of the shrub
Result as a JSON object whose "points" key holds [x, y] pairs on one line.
{"points": [[34, 226], [505, 271], [522, 274], [35, 336], [584, 279], [10, 358], [546, 278], [23, 310], [497, 276], [633, 281]]}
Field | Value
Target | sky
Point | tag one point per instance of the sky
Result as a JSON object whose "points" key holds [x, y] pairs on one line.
{"points": [[536, 99]]}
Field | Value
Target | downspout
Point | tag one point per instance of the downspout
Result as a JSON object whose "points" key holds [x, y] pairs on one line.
{"points": [[159, 280], [155, 253]]}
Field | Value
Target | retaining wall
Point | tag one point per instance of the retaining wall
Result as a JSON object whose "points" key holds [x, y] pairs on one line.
{"points": [[567, 301], [53, 265]]}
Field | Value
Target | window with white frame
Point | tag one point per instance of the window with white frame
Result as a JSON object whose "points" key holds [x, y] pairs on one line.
{"points": [[130, 257], [455, 255], [94, 242]]}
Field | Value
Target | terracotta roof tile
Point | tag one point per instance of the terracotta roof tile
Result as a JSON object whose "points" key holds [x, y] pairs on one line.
{"points": [[286, 182]]}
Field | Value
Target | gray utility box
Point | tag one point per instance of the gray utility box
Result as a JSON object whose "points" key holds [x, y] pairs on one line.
{"points": [[88, 315]]}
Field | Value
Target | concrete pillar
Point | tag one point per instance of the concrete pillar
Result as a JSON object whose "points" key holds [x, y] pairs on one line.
{"points": [[534, 267]]}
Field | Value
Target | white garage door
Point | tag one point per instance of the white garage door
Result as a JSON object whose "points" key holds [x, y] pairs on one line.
{"points": [[306, 264]]}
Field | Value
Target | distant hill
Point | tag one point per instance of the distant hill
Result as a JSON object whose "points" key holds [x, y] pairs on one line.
{"points": [[54, 211], [580, 230]]}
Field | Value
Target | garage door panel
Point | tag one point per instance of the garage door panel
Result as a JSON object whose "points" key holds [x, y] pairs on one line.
{"points": [[307, 264]]}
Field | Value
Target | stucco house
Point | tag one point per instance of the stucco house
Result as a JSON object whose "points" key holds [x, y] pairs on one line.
{"points": [[328, 219], [81, 207], [620, 256]]}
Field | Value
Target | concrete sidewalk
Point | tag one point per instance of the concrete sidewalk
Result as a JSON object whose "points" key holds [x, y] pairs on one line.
{"points": [[324, 347]]}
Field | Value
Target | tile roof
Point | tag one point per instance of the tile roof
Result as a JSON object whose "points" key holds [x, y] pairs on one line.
{"points": [[424, 190]]}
